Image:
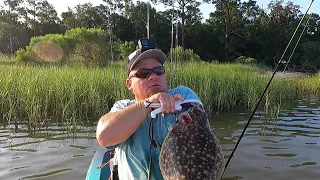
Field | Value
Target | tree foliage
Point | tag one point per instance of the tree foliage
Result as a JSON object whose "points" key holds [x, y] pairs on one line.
{"points": [[188, 11], [236, 28], [91, 46]]}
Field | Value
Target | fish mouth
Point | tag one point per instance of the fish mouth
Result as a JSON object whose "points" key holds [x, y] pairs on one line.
{"points": [[186, 119]]}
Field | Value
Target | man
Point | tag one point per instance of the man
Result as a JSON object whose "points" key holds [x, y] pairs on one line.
{"points": [[128, 127]]}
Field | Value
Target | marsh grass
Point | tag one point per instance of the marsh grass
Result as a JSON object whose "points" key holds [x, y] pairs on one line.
{"points": [[227, 86], [68, 94], [74, 94], [6, 59], [309, 85], [272, 107]]}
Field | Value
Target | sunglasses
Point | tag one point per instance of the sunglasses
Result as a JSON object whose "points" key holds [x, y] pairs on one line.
{"points": [[146, 73]]}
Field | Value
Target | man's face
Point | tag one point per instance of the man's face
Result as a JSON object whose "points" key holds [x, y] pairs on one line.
{"points": [[143, 88]]}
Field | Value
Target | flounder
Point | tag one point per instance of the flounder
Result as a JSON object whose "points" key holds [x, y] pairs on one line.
{"points": [[190, 150]]}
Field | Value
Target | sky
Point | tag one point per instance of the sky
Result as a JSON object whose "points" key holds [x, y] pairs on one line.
{"points": [[206, 9]]}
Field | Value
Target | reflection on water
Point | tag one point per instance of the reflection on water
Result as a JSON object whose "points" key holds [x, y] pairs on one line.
{"points": [[286, 148], [53, 153]]}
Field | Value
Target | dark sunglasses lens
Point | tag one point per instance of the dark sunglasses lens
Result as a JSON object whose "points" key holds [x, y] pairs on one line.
{"points": [[159, 70], [143, 73]]}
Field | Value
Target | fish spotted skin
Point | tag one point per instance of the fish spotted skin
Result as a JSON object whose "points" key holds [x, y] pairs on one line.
{"points": [[190, 150]]}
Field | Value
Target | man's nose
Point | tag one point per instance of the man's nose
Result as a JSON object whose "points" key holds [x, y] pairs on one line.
{"points": [[153, 76]]}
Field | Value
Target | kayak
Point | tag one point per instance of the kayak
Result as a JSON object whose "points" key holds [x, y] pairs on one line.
{"points": [[101, 156]]}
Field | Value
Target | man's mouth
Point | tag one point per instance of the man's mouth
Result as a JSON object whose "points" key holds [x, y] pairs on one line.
{"points": [[156, 85], [154, 89]]}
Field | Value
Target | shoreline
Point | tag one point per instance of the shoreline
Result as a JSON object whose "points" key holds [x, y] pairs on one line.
{"points": [[290, 74]]}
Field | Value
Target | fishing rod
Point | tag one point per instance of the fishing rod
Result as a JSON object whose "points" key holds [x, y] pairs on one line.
{"points": [[265, 90]]}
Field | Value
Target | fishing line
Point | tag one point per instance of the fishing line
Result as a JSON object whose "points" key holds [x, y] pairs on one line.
{"points": [[171, 47], [257, 105], [117, 95], [174, 41], [148, 19], [294, 49], [177, 60]]}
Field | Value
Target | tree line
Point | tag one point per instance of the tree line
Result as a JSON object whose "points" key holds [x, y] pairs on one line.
{"points": [[235, 29]]}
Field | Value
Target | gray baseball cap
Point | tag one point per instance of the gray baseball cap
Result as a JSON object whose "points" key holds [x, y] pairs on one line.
{"points": [[137, 56]]}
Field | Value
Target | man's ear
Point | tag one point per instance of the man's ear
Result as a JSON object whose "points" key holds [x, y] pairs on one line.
{"points": [[129, 83]]}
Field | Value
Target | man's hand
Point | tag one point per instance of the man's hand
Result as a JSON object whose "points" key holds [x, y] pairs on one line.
{"points": [[166, 101]]}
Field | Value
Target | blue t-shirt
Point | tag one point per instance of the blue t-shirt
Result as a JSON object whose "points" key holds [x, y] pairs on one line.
{"points": [[132, 156]]}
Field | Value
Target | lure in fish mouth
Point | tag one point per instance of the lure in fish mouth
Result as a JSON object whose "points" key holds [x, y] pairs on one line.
{"points": [[191, 150]]}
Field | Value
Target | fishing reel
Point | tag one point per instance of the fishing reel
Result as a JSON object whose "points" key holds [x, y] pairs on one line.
{"points": [[145, 44]]}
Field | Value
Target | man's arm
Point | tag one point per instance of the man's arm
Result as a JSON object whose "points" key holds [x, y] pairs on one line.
{"points": [[116, 127]]}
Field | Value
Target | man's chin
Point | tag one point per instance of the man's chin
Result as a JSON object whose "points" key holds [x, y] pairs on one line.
{"points": [[154, 90]]}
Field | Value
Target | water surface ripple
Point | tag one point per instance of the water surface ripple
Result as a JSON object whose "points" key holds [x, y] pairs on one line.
{"points": [[284, 148]]}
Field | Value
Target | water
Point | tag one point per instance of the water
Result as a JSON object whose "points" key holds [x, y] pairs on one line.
{"points": [[56, 155], [284, 149]]}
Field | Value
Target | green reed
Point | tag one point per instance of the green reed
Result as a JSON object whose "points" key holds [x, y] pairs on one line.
{"points": [[34, 93], [308, 85], [71, 94], [272, 107], [226, 86], [6, 60]]}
